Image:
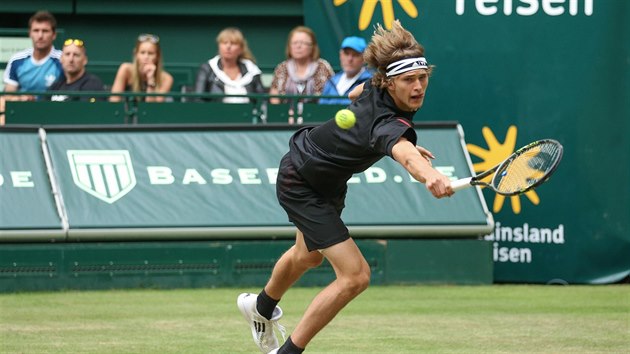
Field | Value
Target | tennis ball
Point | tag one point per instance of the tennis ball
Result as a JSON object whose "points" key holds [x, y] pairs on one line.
{"points": [[345, 119]]}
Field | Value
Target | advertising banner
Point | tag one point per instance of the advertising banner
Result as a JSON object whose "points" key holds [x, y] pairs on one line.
{"points": [[512, 72], [26, 201], [225, 179]]}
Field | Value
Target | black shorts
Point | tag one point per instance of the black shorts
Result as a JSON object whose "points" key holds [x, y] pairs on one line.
{"points": [[317, 217]]}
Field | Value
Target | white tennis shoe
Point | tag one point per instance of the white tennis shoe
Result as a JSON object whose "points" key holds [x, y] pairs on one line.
{"points": [[262, 328]]}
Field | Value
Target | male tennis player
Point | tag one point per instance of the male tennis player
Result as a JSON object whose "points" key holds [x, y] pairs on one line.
{"points": [[312, 185]]}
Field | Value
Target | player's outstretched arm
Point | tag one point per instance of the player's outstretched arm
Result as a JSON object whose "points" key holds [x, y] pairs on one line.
{"points": [[419, 166]]}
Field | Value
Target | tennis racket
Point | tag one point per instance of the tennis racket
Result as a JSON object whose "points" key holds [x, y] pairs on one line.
{"points": [[526, 168]]}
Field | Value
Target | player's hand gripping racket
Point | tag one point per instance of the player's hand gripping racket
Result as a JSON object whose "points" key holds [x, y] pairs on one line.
{"points": [[525, 169]]}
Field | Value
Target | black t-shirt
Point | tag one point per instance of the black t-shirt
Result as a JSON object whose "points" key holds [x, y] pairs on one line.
{"points": [[87, 82], [327, 156]]}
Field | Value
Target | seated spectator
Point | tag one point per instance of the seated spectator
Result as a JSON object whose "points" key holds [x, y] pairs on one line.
{"points": [[145, 73], [353, 72], [304, 72], [233, 71], [73, 59], [33, 69]]}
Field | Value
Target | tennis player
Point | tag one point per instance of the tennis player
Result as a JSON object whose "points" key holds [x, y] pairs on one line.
{"points": [[312, 185]]}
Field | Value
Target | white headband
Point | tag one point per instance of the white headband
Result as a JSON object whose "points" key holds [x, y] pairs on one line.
{"points": [[404, 65]]}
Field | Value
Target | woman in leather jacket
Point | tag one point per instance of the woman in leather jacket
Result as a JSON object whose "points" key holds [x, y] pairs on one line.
{"points": [[232, 72]]}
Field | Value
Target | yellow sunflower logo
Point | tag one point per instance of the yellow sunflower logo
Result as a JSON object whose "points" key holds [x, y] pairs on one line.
{"points": [[495, 154], [368, 7]]}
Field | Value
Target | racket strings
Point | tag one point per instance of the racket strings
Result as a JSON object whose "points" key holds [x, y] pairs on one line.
{"points": [[528, 168]]}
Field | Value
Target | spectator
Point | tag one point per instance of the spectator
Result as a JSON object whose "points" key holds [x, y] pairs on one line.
{"points": [[304, 72], [233, 71], [353, 72], [33, 69], [145, 73], [73, 59]]}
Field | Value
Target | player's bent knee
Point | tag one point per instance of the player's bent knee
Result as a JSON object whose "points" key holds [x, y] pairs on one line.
{"points": [[309, 260], [368, 271], [356, 284], [364, 281]]}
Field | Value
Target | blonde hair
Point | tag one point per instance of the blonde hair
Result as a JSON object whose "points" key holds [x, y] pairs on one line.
{"points": [[314, 53], [136, 85], [234, 35], [387, 47]]}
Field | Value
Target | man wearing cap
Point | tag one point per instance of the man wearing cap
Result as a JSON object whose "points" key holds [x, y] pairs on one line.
{"points": [[353, 74]]}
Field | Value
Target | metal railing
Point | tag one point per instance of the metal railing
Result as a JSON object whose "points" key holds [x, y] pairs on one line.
{"points": [[292, 106]]}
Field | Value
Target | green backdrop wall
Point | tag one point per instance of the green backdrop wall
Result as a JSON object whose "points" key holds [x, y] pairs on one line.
{"points": [[514, 71], [509, 71], [203, 201]]}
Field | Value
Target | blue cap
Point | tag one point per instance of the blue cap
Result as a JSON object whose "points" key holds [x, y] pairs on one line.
{"points": [[356, 43]]}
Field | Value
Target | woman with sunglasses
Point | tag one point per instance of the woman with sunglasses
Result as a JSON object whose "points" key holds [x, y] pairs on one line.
{"points": [[145, 73]]}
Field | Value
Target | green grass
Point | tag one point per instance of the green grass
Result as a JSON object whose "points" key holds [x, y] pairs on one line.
{"points": [[391, 319]]}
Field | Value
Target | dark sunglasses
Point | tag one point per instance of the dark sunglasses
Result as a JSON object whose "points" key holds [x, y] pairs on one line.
{"points": [[147, 37], [77, 42]]}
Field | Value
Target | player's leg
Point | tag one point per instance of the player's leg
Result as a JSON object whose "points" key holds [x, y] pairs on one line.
{"points": [[291, 266], [260, 310], [353, 276]]}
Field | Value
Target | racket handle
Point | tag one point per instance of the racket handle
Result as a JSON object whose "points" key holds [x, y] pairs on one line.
{"points": [[461, 183]]}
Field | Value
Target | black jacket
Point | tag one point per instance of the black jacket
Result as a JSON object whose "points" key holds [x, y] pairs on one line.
{"points": [[208, 82]]}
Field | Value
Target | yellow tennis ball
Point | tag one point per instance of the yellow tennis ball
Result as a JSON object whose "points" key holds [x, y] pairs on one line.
{"points": [[345, 119]]}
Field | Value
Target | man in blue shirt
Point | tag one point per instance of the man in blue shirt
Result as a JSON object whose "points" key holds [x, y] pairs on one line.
{"points": [[353, 74], [34, 69]]}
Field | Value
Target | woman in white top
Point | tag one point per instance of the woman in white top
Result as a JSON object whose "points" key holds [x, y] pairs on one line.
{"points": [[232, 72]]}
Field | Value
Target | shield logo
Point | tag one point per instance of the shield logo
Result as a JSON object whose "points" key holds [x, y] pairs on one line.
{"points": [[106, 174]]}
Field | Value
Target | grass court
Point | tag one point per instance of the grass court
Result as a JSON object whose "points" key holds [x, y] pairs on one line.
{"points": [[384, 319]]}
